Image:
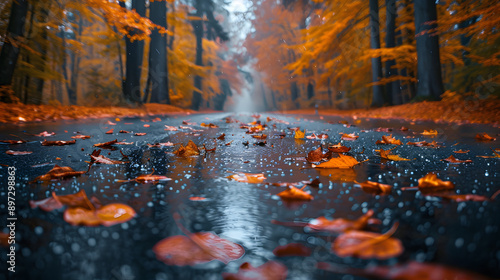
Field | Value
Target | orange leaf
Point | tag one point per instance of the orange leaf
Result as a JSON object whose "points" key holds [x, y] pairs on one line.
{"points": [[386, 154], [248, 177], [210, 125], [431, 183], [389, 140], [107, 215], [339, 148], [271, 270], [81, 136], [461, 152], [340, 224], [368, 245], [429, 132], [189, 150], [58, 173], [293, 193], [375, 188], [349, 137], [451, 159], [299, 134], [17, 153], [57, 143], [341, 162], [106, 144], [484, 137], [200, 247]]}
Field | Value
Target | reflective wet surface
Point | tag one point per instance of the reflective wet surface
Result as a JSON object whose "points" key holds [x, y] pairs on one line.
{"points": [[458, 234]]}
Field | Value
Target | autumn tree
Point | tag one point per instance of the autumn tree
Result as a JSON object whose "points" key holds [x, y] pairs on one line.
{"points": [[10, 48], [430, 84], [378, 90]]}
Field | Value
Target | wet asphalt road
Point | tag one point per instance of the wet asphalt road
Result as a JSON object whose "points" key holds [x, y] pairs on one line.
{"points": [[458, 234]]}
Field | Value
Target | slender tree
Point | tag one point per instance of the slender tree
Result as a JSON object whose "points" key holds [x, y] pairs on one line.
{"points": [[393, 87], [158, 66], [14, 36], [378, 90], [134, 54], [430, 84]]}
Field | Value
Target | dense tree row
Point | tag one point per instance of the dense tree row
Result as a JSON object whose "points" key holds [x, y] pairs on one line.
{"points": [[95, 52], [374, 53]]}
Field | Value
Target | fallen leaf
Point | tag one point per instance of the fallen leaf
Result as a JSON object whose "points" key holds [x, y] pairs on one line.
{"points": [[433, 144], [107, 215], [196, 248], [189, 150], [261, 136], [96, 157], [292, 249], [349, 137], [388, 140], [197, 198], [124, 131], [496, 155], [140, 133], [338, 225], [367, 245], [147, 178], [58, 173], [81, 136], [484, 137], [317, 137], [299, 134], [106, 144], [110, 131], [341, 162], [293, 193], [468, 197], [451, 159], [317, 155], [17, 153], [160, 145], [45, 134], [57, 143], [404, 128], [270, 270], [248, 177], [222, 136], [409, 271], [210, 125], [386, 154], [339, 148], [170, 128], [4, 239], [461, 152], [429, 132], [54, 202], [431, 183], [146, 125], [375, 188]]}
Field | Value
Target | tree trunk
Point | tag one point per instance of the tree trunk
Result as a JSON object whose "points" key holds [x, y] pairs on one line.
{"points": [[10, 51], [158, 67], [393, 88], [133, 64], [198, 31], [378, 90], [430, 84]]}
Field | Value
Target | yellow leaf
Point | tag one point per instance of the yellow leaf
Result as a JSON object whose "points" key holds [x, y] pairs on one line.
{"points": [[299, 134], [341, 162]]}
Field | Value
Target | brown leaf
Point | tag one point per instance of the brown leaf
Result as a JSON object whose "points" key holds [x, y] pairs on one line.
{"points": [[160, 145], [106, 144], [339, 148], [17, 153], [375, 188], [367, 245], [81, 136], [388, 140], [96, 157], [409, 271], [341, 162], [222, 136], [78, 199], [189, 150], [451, 159], [260, 136], [271, 270], [433, 144], [57, 143], [200, 247], [45, 134], [210, 125], [150, 178], [484, 137], [292, 249], [58, 173], [317, 155], [124, 131], [468, 197], [349, 137], [340, 224]]}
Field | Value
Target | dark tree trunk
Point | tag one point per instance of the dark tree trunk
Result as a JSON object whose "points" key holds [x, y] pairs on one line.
{"points": [[158, 67], [393, 88], [220, 99], [430, 84], [10, 51], [198, 32], [133, 65], [310, 90], [40, 82], [294, 90], [378, 90], [273, 99]]}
